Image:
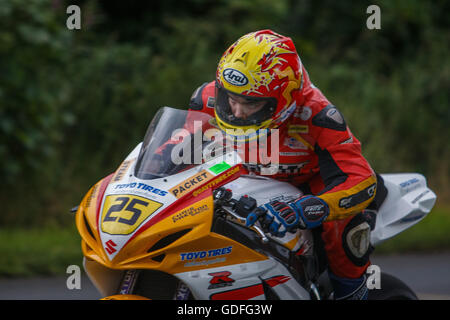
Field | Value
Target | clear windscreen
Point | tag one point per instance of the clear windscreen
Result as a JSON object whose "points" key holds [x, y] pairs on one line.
{"points": [[173, 142]]}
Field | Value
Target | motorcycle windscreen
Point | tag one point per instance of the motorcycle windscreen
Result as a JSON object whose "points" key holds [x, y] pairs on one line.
{"points": [[173, 142]]}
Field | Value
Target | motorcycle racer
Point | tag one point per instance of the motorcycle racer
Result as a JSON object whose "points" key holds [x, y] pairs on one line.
{"points": [[261, 84]]}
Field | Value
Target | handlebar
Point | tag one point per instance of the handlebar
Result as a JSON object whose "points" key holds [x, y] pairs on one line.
{"points": [[224, 201]]}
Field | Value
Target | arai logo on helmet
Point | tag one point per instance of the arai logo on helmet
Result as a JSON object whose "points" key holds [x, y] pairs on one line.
{"points": [[235, 77]]}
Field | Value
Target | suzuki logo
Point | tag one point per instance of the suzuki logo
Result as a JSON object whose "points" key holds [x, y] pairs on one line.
{"points": [[110, 247], [220, 279]]}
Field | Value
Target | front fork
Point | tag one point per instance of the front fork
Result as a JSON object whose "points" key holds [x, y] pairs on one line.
{"points": [[131, 276], [128, 282]]}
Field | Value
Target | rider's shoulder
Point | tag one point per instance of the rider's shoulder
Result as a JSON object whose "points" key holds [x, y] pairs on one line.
{"points": [[318, 111], [203, 96]]}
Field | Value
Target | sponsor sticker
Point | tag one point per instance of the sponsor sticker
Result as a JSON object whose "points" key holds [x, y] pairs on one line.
{"points": [[409, 183], [195, 263], [298, 128], [210, 103], [294, 143], [420, 196], [195, 181], [92, 195], [235, 77], [120, 173], [220, 167], [201, 258], [141, 186], [216, 181], [185, 256], [189, 212]]}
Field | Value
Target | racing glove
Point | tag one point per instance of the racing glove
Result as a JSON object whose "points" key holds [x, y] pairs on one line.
{"points": [[278, 217]]}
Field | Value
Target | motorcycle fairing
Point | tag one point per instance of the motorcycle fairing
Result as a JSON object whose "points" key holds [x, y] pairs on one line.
{"points": [[137, 225], [167, 230], [408, 201]]}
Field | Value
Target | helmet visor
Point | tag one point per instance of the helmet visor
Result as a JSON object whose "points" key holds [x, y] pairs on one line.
{"points": [[241, 110]]}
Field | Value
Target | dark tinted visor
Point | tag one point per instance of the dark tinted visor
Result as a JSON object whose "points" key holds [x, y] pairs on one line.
{"points": [[224, 111]]}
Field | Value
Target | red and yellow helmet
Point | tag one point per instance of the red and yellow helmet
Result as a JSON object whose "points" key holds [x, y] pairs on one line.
{"points": [[261, 65]]}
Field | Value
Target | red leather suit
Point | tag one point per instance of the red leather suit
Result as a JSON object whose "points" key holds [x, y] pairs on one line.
{"points": [[319, 154]]}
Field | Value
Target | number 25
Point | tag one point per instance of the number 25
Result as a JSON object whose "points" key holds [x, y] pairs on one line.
{"points": [[119, 207]]}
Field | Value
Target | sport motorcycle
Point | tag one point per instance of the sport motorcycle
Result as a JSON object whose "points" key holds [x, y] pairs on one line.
{"points": [[169, 223]]}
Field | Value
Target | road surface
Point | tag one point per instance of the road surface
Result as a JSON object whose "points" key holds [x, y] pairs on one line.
{"points": [[427, 274]]}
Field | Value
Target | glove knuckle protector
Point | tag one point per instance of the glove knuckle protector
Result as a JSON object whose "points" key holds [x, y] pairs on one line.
{"points": [[279, 217], [313, 211]]}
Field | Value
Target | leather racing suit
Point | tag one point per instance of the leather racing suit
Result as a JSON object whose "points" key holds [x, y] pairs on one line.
{"points": [[319, 154]]}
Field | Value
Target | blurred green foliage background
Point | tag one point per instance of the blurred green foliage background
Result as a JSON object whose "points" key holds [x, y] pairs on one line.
{"points": [[74, 103]]}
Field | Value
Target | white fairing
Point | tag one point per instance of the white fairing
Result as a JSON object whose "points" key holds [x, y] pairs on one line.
{"points": [[408, 201], [246, 282], [264, 190]]}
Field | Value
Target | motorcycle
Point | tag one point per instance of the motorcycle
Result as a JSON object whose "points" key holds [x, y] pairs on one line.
{"points": [[160, 228]]}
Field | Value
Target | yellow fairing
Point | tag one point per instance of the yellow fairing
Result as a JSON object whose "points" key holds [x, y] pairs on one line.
{"points": [[125, 297], [86, 221], [180, 242]]}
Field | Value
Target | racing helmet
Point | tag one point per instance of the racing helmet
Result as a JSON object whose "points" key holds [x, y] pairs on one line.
{"points": [[261, 67]]}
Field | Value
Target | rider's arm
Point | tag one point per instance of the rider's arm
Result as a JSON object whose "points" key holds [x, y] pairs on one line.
{"points": [[350, 182]]}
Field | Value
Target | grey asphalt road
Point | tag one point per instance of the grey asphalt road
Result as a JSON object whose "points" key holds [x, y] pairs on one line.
{"points": [[427, 274]]}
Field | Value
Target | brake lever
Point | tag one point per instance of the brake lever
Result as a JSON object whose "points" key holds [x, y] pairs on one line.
{"points": [[258, 230], [224, 198]]}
